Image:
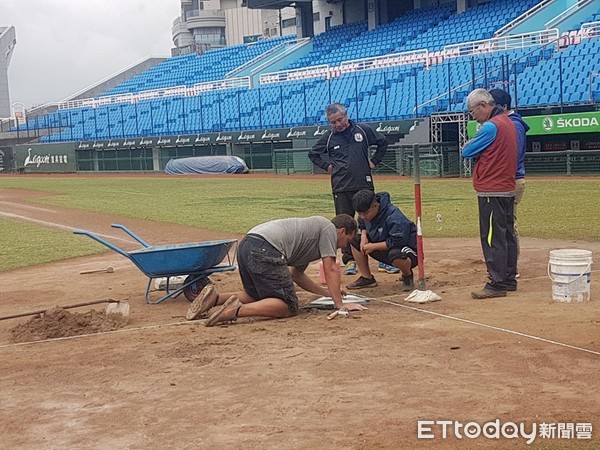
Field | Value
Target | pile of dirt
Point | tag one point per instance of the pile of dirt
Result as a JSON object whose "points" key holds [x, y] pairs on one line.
{"points": [[58, 322]]}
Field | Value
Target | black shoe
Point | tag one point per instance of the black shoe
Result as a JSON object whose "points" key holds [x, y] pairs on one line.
{"points": [[361, 283], [488, 293], [408, 283], [512, 287]]}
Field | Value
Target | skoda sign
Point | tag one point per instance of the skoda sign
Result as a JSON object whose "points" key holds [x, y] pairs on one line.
{"points": [[572, 123], [588, 122], [547, 123]]}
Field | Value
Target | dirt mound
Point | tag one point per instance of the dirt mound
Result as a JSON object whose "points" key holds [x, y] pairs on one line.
{"points": [[58, 322]]}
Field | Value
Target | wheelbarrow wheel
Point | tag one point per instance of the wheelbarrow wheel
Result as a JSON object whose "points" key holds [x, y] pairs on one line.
{"points": [[193, 290]]}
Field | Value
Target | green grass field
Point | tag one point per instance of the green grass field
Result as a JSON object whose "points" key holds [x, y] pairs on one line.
{"points": [[552, 208]]}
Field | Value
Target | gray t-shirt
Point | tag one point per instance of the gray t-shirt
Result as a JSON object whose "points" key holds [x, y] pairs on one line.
{"points": [[300, 241]]}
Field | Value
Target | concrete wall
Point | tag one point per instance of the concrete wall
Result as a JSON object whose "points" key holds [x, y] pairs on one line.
{"points": [[354, 10], [242, 22]]}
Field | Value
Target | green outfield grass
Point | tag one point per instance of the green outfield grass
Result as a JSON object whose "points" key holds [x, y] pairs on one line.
{"points": [[552, 208], [24, 244]]}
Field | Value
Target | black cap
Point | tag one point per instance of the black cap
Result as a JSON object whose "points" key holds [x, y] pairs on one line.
{"points": [[501, 97]]}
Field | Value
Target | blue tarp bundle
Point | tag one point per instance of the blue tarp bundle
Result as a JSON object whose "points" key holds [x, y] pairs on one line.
{"points": [[206, 164]]}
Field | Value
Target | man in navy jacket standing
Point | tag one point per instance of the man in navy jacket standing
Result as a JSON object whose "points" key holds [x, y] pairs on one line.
{"points": [[503, 99], [344, 153]]}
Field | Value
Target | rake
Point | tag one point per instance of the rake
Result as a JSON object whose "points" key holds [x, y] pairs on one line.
{"points": [[113, 307]]}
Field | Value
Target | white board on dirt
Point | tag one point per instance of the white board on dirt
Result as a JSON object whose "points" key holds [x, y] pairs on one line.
{"points": [[327, 302]]}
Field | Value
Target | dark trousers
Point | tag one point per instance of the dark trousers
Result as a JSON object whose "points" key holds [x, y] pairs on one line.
{"points": [[498, 241], [343, 205]]}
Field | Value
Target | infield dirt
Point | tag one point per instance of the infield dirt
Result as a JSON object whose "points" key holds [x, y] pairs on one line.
{"points": [[304, 382]]}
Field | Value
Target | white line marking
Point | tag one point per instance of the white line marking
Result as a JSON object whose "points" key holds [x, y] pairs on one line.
{"points": [[22, 205], [458, 319], [58, 225], [504, 330]]}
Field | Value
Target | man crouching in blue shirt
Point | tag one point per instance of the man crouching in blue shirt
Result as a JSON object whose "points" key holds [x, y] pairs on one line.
{"points": [[386, 235]]}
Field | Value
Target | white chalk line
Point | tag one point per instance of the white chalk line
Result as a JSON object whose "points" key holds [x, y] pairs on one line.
{"points": [[57, 225], [492, 327], [445, 316], [24, 206]]}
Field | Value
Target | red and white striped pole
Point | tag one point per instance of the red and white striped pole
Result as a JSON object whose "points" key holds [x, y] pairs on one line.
{"points": [[417, 176]]}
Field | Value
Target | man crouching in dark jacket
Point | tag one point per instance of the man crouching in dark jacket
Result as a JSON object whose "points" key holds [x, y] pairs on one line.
{"points": [[386, 235]]}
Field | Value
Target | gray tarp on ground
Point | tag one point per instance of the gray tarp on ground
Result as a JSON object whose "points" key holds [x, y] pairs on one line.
{"points": [[206, 164]]}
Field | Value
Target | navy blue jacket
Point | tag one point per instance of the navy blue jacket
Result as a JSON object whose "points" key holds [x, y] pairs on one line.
{"points": [[390, 225], [348, 153], [522, 129]]}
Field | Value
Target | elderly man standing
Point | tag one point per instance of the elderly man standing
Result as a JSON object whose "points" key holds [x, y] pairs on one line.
{"points": [[494, 150], [344, 153]]}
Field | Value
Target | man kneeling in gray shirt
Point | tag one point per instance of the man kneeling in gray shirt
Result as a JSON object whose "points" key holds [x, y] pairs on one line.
{"points": [[271, 258]]}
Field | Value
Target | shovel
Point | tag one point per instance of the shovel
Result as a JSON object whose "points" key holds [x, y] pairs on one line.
{"points": [[113, 307]]}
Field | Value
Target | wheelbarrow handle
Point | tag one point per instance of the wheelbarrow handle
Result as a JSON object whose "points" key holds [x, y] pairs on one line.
{"points": [[103, 242], [131, 233]]}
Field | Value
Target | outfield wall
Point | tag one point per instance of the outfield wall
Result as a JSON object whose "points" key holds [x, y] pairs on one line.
{"points": [[562, 143], [152, 153]]}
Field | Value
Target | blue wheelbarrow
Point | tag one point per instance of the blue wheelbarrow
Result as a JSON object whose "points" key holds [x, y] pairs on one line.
{"points": [[196, 260]]}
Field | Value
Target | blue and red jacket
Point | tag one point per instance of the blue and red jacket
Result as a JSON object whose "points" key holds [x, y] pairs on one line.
{"points": [[494, 149]]}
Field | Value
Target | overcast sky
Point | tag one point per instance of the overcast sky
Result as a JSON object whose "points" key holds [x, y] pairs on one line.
{"points": [[64, 46]]}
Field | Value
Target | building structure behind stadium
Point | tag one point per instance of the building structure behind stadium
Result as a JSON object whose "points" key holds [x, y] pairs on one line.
{"points": [[253, 81]]}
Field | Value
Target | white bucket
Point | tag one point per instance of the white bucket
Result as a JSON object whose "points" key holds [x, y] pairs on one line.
{"points": [[570, 272]]}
